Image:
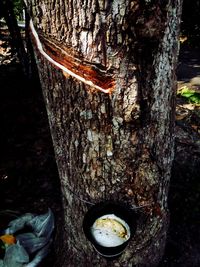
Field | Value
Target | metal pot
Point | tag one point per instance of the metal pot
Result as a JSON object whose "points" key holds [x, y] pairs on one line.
{"points": [[109, 227]]}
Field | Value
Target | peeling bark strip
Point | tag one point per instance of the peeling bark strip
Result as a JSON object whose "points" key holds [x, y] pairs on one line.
{"points": [[76, 64], [71, 66]]}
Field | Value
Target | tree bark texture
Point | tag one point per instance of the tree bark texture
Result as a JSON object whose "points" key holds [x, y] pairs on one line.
{"points": [[116, 145], [16, 38]]}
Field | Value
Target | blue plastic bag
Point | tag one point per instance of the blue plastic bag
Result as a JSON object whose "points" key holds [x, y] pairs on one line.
{"points": [[31, 246]]}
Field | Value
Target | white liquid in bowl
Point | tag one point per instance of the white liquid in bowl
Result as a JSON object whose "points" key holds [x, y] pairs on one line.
{"points": [[110, 231]]}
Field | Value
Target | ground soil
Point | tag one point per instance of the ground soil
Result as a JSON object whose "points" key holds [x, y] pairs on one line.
{"points": [[28, 175]]}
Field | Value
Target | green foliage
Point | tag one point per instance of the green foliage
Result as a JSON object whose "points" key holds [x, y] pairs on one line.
{"points": [[191, 95], [18, 6]]}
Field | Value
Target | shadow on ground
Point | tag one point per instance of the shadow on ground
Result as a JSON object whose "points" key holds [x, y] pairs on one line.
{"points": [[28, 174], [183, 244], [188, 71]]}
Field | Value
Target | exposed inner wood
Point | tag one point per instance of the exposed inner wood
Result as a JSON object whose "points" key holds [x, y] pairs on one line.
{"points": [[93, 74]]}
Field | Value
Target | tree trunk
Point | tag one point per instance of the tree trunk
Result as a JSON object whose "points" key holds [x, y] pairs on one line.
{"points": [[110, 101], [16, 41]]}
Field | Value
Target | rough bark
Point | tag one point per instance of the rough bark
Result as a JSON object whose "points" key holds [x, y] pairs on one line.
{"points": [[117, 145], [16, 41]]}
